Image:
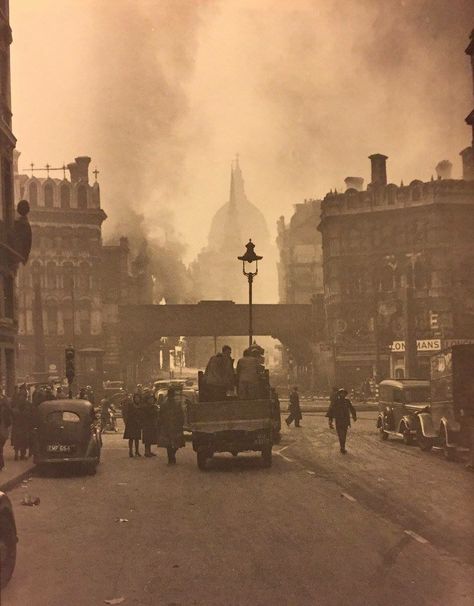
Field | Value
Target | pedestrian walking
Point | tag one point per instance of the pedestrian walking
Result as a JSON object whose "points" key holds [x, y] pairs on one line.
{"points": [[249, 372], [5, 424], [341, 411], [22, 423], [149, 412], [294, 408], [131, 412], [219, 375], [170, 423]]}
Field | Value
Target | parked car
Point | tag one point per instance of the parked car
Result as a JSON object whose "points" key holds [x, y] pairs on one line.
{"points": [[400, 402], [66, 432], [8, 540]]}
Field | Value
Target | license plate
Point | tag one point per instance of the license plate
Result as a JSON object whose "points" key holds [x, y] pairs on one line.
{"points": [[62, 448]]}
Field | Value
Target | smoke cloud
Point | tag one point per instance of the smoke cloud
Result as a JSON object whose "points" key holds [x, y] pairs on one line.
{"points": [[303, 90]]}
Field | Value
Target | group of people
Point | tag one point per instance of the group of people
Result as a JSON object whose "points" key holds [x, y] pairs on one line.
{"points": [[145, 422], [16, 422], [221, 379]]}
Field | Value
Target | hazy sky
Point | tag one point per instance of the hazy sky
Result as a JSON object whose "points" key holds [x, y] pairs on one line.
{"points": [[162, 94]]}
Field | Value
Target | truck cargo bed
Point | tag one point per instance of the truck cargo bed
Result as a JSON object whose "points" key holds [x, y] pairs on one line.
{"points": [[239, 415]]}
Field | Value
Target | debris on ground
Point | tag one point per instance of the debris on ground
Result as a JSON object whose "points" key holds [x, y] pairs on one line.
{"points": [[121, 520], [30, 501], [115, 601]]}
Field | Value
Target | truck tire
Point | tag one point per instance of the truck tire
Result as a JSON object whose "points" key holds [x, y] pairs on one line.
{"points": [[267, 456], [201, 458], [7, 550]]}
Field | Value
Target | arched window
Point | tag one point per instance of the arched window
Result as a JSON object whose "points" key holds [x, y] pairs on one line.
{"points": [[51, 275], [85, 317], [48, 195], [33, 194], [52, 317], [65, 196], [82, 196], [36, 274], [68, 278], [84, 277]]}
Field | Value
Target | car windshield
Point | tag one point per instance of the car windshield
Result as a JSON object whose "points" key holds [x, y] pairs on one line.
{"points": [[417, 394]]}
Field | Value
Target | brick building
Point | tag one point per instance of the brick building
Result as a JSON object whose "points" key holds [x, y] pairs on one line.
{"points": [[15, 233]]}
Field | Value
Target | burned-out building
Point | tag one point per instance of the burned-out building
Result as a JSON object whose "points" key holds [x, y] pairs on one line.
{"points": [[15, 233], [300, 266]]}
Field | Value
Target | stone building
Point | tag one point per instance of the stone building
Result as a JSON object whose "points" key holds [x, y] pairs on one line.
{"points": [[379, 245], [60, 301], [15, 232], [300, 267]]}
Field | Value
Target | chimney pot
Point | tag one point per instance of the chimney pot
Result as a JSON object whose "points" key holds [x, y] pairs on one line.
{"points": [[354, 183], [379, 169], [82, 163]]}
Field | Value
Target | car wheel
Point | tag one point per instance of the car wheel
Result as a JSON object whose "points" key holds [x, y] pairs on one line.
{"points": [[7, 550], [425, 444], [448, 451], [267, 456], [407, 437], [201, 459]]}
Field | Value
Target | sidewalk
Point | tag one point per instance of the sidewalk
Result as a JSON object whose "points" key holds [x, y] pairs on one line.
{"points": [[14, 471]]}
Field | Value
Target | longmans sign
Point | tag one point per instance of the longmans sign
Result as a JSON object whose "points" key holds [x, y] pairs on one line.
{"points": [[430, 344]]}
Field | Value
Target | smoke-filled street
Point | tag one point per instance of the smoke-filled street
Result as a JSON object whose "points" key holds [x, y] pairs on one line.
{"points": [[315, 528]]}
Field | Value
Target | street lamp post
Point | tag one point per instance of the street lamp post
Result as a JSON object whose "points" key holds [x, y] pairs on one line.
{"points": [[248, 258]]}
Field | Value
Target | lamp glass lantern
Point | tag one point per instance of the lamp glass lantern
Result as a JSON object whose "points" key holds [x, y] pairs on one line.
{"points": [[248, 258]]}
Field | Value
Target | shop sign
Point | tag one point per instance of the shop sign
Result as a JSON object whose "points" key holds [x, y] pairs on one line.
{"points": [[451, 342], [421, 345]]}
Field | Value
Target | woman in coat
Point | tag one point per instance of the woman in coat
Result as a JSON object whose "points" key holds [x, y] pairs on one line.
{"points": [[170, 422], [341, 410], [22, 422], [149, 422], [5, 424], [131, 412]]}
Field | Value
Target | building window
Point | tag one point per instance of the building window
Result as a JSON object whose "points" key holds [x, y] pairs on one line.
{"points": [[7, 190], [82, 197], [8, 293], [52, 319], [48, 195], [65, 196], [36, 274], [85, 317], [51, 275], [33, 194], [84, 277]]}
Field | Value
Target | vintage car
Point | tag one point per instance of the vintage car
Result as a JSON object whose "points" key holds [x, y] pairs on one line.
{"points": [[66, 432], [8, 540], [400, 402]]}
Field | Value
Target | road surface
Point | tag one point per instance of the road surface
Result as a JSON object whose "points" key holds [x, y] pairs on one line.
{"points": [[385, 524]]}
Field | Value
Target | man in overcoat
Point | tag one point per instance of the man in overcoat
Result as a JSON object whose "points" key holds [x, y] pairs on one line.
{"points": [[294, 408], [170, 426], [341, 410]]}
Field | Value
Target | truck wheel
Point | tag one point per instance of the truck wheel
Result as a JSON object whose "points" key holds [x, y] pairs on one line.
{"points": [[201, 459], [425, 444], [407, 437], [448, 451], [7, 550], [267, 456]]}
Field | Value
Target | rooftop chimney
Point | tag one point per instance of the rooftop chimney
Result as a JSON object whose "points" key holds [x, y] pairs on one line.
{"points": [[82, 163], [379, 169], [443, 169], [354, 183]]}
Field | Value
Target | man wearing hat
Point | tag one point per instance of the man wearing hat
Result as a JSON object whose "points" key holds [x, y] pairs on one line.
{"points": [[341, 410]]}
